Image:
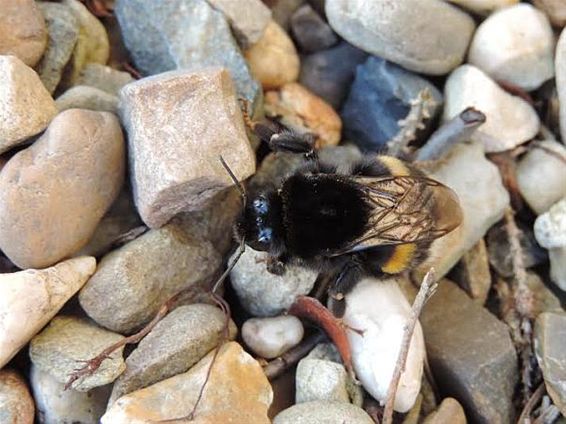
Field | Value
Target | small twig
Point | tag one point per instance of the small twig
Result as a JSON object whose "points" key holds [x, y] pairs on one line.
{"points": [[530, 404], [131, 70], [548, 416], [507, 164], [458, 129], [427, 289]]}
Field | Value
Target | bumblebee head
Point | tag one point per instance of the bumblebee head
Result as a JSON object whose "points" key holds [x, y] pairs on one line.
{"points": [[261, 222]]}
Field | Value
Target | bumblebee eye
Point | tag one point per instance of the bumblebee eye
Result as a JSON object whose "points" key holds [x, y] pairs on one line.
{"points": [[265, 235], [260, 205]]}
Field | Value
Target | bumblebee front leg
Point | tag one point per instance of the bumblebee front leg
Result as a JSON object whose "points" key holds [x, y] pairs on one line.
{"points": [[345, 281]]}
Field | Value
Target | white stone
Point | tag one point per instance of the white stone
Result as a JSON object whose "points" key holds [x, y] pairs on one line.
{"points": [[270, 337], [541, 175], [483, 7], [550, 227], [318, 379], [515, 45], [29, 299], [510, 120], [561, 80], [381, 311]]}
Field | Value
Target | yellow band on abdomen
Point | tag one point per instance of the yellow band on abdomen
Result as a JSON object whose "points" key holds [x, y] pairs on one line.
{"points": [[400, 259]]}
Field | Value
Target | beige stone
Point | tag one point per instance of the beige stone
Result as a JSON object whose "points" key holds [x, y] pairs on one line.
{"points": [[85, 97], [23, 32], [449, 412], [560, 63], [54, 193], [483, 7], [29, 299], [554, 9], [16, 403], [273, 60]]}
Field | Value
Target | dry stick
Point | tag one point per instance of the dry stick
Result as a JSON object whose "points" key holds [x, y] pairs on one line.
{"points": [[428, 286], [531, 403]]}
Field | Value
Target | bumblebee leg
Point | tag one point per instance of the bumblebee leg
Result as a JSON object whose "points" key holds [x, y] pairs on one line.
{"points": [[346, 280], [276, 265]]}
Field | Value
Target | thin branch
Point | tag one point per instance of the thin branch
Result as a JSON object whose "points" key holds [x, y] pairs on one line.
{"points": [[427, 289], [531, 403]]}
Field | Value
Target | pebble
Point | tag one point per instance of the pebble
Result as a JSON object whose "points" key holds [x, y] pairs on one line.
{"points": [[323, 412], [186, 34], [380, 309], [393, 30], [515, 45], [554, 9], [23, 32], [16, 403], [177, 342], [282, 11], [132, 282], [473, 274], [550, 232], [550, 349], [271, 337], [558, 266], [510, 121], [29, 299], [310, 31], [248, 18], [449, 412], [237, 392], [85, 97], [483, 199], [330, 73], [104, 78], [380, 97], [273, 60], [483, 7], [63, 28], [543, 166], [264, 294], [66, 341], [456, 329], [26, 107], [188, 115], [56, 405], [561, 80], [39, 230], [318, 379], [544, 300], [305, 112]]}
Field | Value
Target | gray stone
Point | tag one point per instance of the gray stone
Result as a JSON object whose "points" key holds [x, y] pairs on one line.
{"points": [[178, 124], [560, 64], [326, 352], [550, 227], [557, 258], [63, 29], [270, 337], [264, 294], [317, 379], [104, 78], [323, 412], [310, 31], [394, 30], [16, 403], [177, 342], [282, 11], [66, 341], [471, 355], [85, 97], [186, 34]]}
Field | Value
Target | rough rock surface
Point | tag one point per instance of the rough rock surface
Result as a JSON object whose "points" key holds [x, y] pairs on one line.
{"points": [[272, 336], [323, 412], [16, 403], [318, 379]]}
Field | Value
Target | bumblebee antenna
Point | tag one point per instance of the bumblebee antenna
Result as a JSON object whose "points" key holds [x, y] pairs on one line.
{"points": [[229, 268], [238, 184]]}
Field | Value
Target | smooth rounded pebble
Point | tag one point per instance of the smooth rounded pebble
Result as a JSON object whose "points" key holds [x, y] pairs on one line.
{"points": [[483, 7], [270, 337], [85, 97], [550, 227], [310, 31], [515, 45], [104, 78], [16, 403], [449, 412], [554, 9], [54, 193], [323, 412]]}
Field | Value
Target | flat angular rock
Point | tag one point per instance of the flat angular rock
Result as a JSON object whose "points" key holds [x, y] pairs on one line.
{"points": [[393, 30], [66, 341], [323, 412], [560, 63], [104, 78], [78, 166], [471, 355], [318, 379], [85, 97], [237, 391], [16, 403], [29, 299], [178, 124], [272, 336], [310, 31], [26, 107]]}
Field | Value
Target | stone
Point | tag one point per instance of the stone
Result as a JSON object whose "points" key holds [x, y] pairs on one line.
{"points": [[23, 32], [455, 329], [193, 116], [473, 274], [380, 309], [550, 351], [39, 230], [85, 97], [264, 294], [515, 45], [66, 341], [132, 282], [543, 167], [330, 73], [554, 9], [449, 412], [63, 28], [323, 412], [550, 227], [483, 199], [483, 7], [16, 403], [26, 107], [273, 60], [560, 63], [305, 112], [510, 120], [379, 98], [393, 30], [273, 336], [248, 18], [177, 342], [186, 34], [282, 11], [237, 391], [557, 259], [29, 299], [310, 31], [57, 405], [543, 299], [104, 78], [318, 379]]}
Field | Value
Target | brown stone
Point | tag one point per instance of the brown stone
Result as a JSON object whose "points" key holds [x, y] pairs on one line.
{"points": [[54, 193], [16, 403], [449, 412], [473, 274], [554, 9]]}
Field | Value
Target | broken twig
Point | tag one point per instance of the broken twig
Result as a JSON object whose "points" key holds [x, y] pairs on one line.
{"points": [[535, 398]]}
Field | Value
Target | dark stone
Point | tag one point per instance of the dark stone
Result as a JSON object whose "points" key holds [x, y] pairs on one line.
{"points": [[471, 355], [329, 73], [310, 31], [282, 10], [380, 97]]}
